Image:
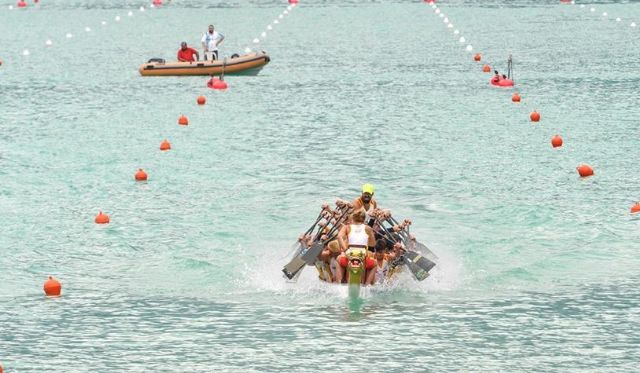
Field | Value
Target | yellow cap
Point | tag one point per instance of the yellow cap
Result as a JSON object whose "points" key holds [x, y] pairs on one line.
{"points": [[368, 188]]}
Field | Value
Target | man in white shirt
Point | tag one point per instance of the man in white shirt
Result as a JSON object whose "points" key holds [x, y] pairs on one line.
{"points": [[210, 41]]}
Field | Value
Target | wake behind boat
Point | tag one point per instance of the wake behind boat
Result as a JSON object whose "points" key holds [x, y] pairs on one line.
{"points": [[248, 64], [349, 245]]}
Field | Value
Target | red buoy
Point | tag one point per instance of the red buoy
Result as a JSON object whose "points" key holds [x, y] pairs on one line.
{"points": [[486, 69], [202, 100], [165, 145], [183, 120], [535, 116], [21, 4], [635, 208], [515, 97], [216, 83], [477, 57], [141, 175], [293, 1], [585, 170], [52, 287], [157, 2], [102, 218], [556, 141]]}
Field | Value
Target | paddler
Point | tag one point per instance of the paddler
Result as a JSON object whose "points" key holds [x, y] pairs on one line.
{"points": [[366, 202]]}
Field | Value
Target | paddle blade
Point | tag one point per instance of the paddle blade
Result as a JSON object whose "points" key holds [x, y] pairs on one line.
{"points": [[305, 257], [418, 265]]}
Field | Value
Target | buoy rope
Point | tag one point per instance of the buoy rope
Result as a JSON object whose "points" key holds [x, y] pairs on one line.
{"points": [[280, 17]]}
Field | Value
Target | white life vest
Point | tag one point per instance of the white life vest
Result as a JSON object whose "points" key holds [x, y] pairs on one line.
{"points": [[358, 235]]}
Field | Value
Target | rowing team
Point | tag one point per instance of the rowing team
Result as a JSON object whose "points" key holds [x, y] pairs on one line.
{"points": [[358, 226]]}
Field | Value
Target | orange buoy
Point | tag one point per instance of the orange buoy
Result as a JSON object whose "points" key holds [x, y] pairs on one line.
{"points": [[486, 69], [515, 97], [22, 4], [183, 120], [556, 141], [102, 218], [165, 145], [635, 208], [202, 100], [1, 368], [293, 1], [477, 57], [52, 287], [585, 170], [141, 175], [535, 116], [215, 83]]}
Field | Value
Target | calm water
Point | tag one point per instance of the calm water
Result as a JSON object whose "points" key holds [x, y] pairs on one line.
{"points": [[538, 271]]}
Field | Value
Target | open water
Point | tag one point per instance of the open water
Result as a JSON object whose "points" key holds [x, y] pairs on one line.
{"points": [[539, 269]]}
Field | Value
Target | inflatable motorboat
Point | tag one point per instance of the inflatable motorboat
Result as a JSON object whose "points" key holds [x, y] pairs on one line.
{"points": [[249, 64], [501, 82], [396, 250]]}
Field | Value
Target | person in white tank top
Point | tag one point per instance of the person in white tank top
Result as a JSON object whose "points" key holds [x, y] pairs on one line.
{"points": [[356, 234]]}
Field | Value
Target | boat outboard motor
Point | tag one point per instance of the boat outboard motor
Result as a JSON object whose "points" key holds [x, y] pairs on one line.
{"points": [[158, 60]]}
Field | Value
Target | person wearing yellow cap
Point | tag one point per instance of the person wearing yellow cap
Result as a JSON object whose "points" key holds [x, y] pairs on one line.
{"points": [[366, 201]]}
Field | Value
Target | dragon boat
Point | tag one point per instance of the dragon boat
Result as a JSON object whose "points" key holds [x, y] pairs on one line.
{"points": [[317, 247]]}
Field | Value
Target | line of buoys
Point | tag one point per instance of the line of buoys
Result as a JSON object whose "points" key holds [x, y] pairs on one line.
{"points": [[102, 218], [556, 141], [52, 287], [183, 120], [165, 145], [585, 170], [201, 100], [141, 175]]}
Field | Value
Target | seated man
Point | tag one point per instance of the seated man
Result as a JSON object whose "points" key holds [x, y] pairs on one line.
{"points": [[366, 202], [185, 53], [356, 235]]}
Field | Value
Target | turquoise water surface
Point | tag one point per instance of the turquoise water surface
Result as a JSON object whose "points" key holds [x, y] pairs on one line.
{"points": [[538, 270]]}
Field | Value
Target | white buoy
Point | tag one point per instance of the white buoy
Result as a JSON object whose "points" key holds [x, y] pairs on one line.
{"points": [[104, 23], [151, 6], [289, 7], [437, 11], [462, 39], [456, 32], [10, 7], [263, 35], [247, 50], [433, 6], [581, 5], [286, 12], [469, 48], [280, 16], [87, 29], [618, 19], [256, 40], [48, 42], [25, 52], [450, 25], [275, 22], [117, 18], [604, 14], [130, 14], [69, 35], [593, 9], [633, 24], [446, 20], [269, 27], [142, 9], [441, 15], [573, 2]]}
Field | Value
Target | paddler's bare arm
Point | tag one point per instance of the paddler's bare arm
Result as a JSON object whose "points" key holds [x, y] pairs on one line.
{"points": [[372, 237], [342, 238]]}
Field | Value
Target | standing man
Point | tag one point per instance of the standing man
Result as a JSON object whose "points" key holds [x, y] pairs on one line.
{"points": [[185, 53], [210, 41]]}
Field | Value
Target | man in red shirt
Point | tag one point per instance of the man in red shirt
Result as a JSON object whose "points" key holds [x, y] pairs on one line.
{"points": [[185, 54]]}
